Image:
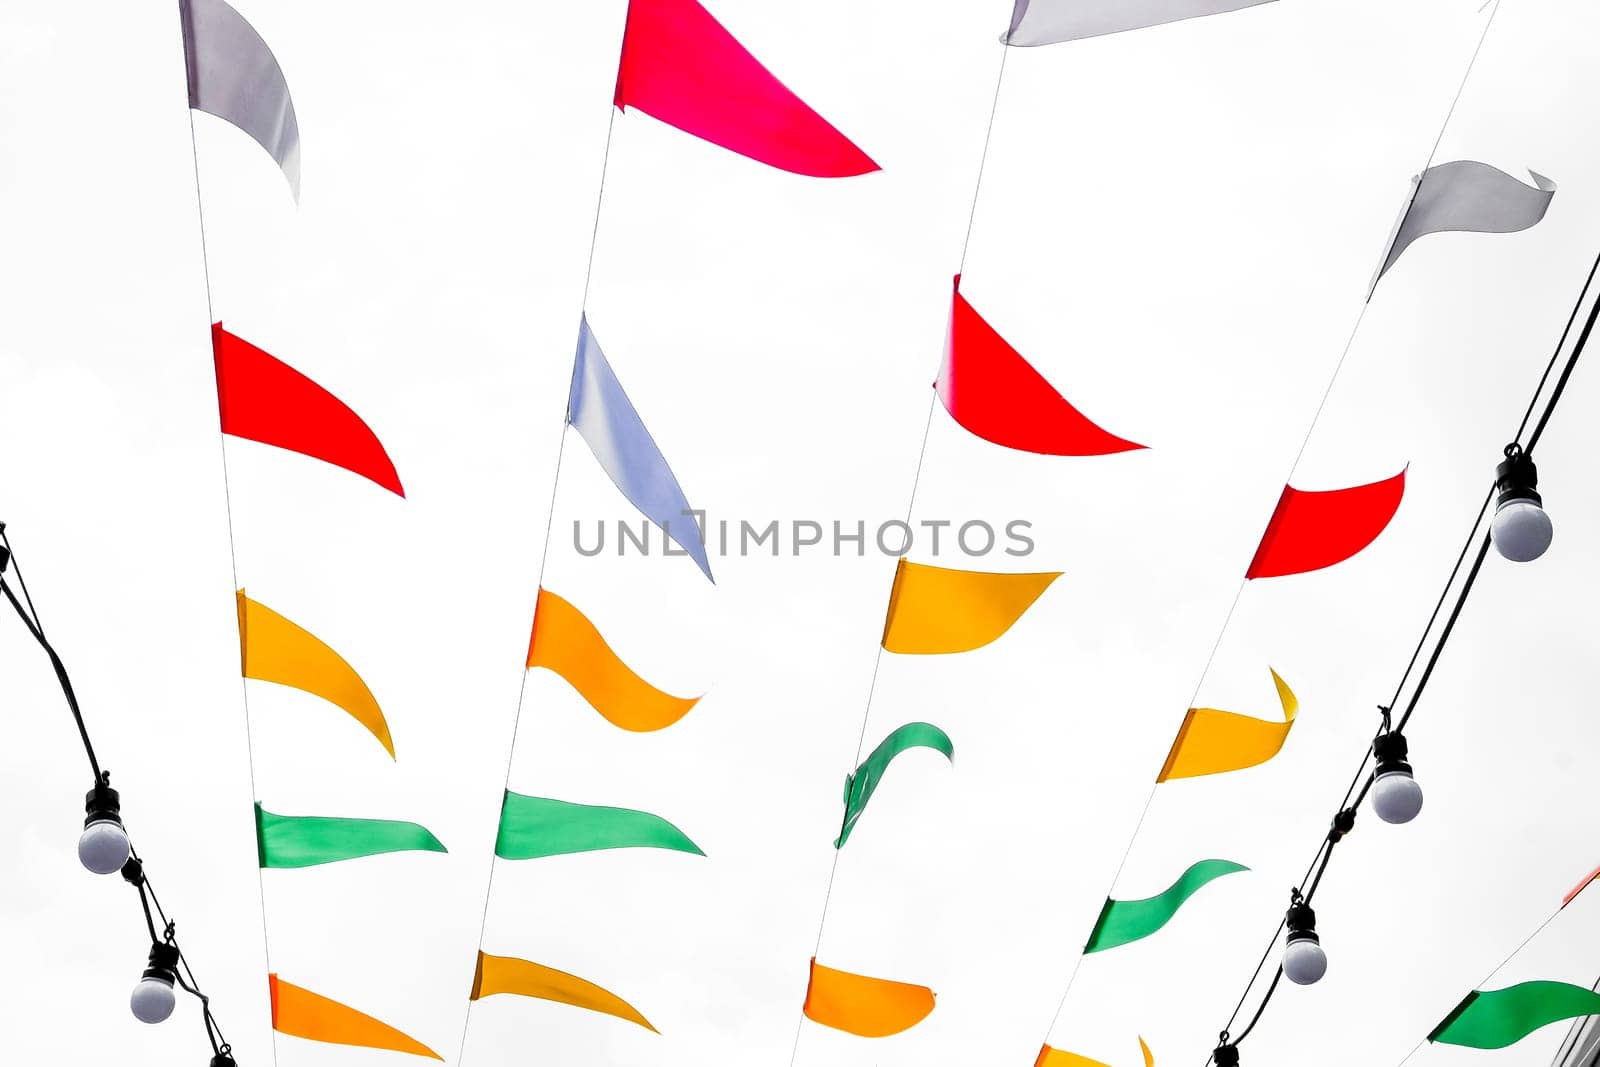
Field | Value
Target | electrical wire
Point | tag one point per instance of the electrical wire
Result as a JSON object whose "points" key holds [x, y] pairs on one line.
{"points": [[1325, 849], [133, 870]]}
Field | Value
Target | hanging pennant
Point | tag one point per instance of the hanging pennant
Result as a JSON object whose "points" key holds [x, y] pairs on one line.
{"points": [[859, 787], [1588, 880], [1498, 1018], [1216, 742], [284, 841], [1123, 922], [1468, 196], [939, 609], [302, 1013], [263, 399], [234, 76], [866, 1007], [524, 978], [1315, 529], [566, 642], [273, 649], [604, 417], [536, 827], [1050, 1057], [680, 66], [993, 392], [1037, 22]]}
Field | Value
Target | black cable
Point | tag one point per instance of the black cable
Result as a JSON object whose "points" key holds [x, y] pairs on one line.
{"points": [[1325, 849], [61, 675]]}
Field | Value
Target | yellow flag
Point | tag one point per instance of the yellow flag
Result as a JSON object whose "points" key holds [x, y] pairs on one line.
{"points": [[867, 1007], [507, 974], [565, 641], [937, 609], [302, 1013], [273, 649], [1215, 742]]}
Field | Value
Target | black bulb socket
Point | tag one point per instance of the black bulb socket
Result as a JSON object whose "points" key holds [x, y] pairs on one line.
{"points": [[1390, 748], [1226, 1056], [1516, 478], [222, 1059], [163, 962], [1302, 922], [102, 804]]}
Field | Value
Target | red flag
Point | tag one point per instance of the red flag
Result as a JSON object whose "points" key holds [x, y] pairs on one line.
{"points": [[1312, 530], [991, 390], [264, 399], [681, 66]]}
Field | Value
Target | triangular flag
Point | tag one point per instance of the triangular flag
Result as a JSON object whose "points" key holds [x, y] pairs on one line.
{"points": [[1051, 1057], [1499, 1018], [1315, 529], [234, 76], [302, 1013], [1466, 195], [681, 66], [859, 787], [991, 390], [940, 609], [284, 841], [1036, 22], [1123, 922], [262, 398], [866, 1007], [1215, 742], [603, 415], [536, 827], [524, 978], [273, 649], [566, 642]]}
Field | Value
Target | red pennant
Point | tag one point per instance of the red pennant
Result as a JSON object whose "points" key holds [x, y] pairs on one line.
{"points": [[991, 390], [681, 66], [1313, 530], [264, 399]]}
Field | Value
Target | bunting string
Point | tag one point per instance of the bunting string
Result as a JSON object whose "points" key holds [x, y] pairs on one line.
{"points": [[1357, 790], [1227, 617]]}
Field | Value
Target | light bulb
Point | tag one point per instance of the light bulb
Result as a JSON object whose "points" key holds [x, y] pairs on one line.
{"points": [[1521, 530], [1304, 962], [154, 997], [103, 846], [1396, 796]]}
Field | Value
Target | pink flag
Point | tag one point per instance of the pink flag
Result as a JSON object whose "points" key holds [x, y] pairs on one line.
{"points": [[991, 390], [680, 66], [1312, 530]]}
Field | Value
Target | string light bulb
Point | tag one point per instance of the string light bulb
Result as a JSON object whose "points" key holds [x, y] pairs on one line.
{"points": [[1304, 962], [1521, 530], [154, 997], [1396, 796], [103, 846]]}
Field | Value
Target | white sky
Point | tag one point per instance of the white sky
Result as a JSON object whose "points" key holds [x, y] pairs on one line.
{"points": [[1176, 226]]}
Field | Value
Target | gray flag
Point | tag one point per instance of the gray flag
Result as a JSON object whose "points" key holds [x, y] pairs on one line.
{"points": [[1472, 196], [234, 76], [1036, 22]]}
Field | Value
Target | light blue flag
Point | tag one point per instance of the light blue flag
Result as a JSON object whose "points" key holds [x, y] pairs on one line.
{"points": [[600, 411]]}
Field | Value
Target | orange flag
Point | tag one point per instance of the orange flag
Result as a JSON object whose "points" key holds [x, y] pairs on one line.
{"points": [[565, 641], [273, 649], [1050, 1057], [507, 974], [938, 609], [868, 1007], [1215, 742], [302, 1013]]}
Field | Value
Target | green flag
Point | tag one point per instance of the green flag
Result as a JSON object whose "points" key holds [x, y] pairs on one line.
{"points": [[859, 787], [1502, 1017], [305, 841], [1125, 921], [534, 827]]}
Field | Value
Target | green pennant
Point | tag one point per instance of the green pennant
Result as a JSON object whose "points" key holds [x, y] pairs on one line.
{"points": [[1501, 1017], [535, 827], [859, 787], [305, 841], [1124, 921]]}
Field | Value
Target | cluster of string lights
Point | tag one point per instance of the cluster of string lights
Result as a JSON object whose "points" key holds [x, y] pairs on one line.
{"points": [[104, 848], [1520, 531]]}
